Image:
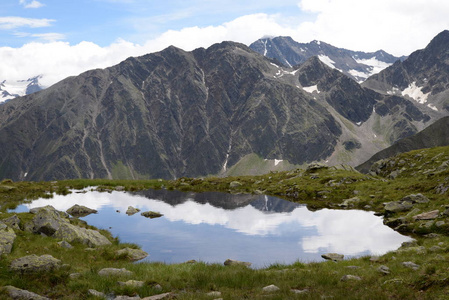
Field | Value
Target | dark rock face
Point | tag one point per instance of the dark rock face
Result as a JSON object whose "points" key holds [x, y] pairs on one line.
{"points": [[433, 136], [290, 53], [163, 115]]}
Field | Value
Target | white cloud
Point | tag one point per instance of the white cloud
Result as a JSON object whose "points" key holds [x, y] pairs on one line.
{"points": [[16, 22], [397, 26], [31, 4]]}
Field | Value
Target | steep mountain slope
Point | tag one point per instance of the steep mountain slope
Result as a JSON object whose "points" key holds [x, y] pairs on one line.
{"points": [[167, 114], [423, 77], [356, 64], [435, 135], [13, 89]]}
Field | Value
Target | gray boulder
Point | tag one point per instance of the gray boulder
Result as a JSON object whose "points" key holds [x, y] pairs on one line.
{"points": [[132, 210], [7, 238], [270, 289], [410, 265], [12, 222], [33, 263], [55, 223], [416, 198], [333, 256], [350, 277], [16, 293], [398, 206], [235, 184], [80, 211], [131, 283], [132, 254], [430, 215], [232, 262]]}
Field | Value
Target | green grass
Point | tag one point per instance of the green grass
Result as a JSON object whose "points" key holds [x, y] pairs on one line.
{"points": [[419, 172]]}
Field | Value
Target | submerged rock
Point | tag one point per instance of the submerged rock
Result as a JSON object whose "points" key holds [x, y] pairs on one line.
{"points": [[151, 214], [33, 263], [80, 211], [132, 210]]}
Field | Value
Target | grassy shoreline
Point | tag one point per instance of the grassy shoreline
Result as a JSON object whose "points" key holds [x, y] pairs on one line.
{"points": [[421, 171]]}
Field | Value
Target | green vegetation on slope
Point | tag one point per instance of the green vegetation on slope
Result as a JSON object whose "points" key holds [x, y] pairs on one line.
{"points": [[422, 171]]}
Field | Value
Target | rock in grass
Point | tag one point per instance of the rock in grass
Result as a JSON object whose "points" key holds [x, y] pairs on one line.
{"points": [[410, 265], [114, 272], [430, 215], [131, 283], [80, 211], [151, 214], [33, 263], [12, 222], [214, 294], [7, 238], [398, 206], [65, 244], [296, 291], [270, 289], [235, 184], [333, 256], [16, 293], [232, 262], [132, 210], [384, 269], [126, 298], [416, 198], [96, 293], [132, 254], [158, 297], [350, 277], [89, 237]]}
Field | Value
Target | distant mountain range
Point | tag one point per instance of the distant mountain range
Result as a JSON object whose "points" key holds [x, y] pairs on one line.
{"points": [[222, 110], [10, 89], [355, 64]]}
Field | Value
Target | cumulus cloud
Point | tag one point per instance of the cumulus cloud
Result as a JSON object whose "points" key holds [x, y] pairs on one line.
{"points": [[397, 26], [31, 4], [17, 22]]}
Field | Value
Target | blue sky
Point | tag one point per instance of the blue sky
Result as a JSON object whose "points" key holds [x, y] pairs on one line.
{"points": [[60, 38]]}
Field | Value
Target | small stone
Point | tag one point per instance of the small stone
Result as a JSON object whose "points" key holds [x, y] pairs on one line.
{"points": [[131, 283], [96, 293], [214, 294], [270, 288], [232, 262], [12, 222], [235, 184], [114, 272], [435, 249], [121, 297], [439, 223], [374, 259], [384, 269], [158, 297], [65, 244], [296, 291], [333, 256], [74, 275], [119, 188], [350, 277], [427, 215], [151, 214], [410, 265], [411, 243]]}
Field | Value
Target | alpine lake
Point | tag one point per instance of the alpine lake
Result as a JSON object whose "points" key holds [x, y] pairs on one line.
{"points": [[212, 227]]}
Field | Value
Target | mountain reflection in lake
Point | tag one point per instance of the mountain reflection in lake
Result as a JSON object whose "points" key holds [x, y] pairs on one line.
{"points": [[213, 227]]}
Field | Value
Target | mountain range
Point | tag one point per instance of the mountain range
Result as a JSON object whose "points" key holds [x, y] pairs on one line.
{"points": [[214, 111], [356, 64]]}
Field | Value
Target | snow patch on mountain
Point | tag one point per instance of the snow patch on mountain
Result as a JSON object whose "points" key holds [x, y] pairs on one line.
{"points": [[375, 65], [415, 93], [10, 89], [326, 59], [311, 89]]}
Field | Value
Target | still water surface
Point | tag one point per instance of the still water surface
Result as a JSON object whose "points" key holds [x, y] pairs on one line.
{"points": [[213, 227]]}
